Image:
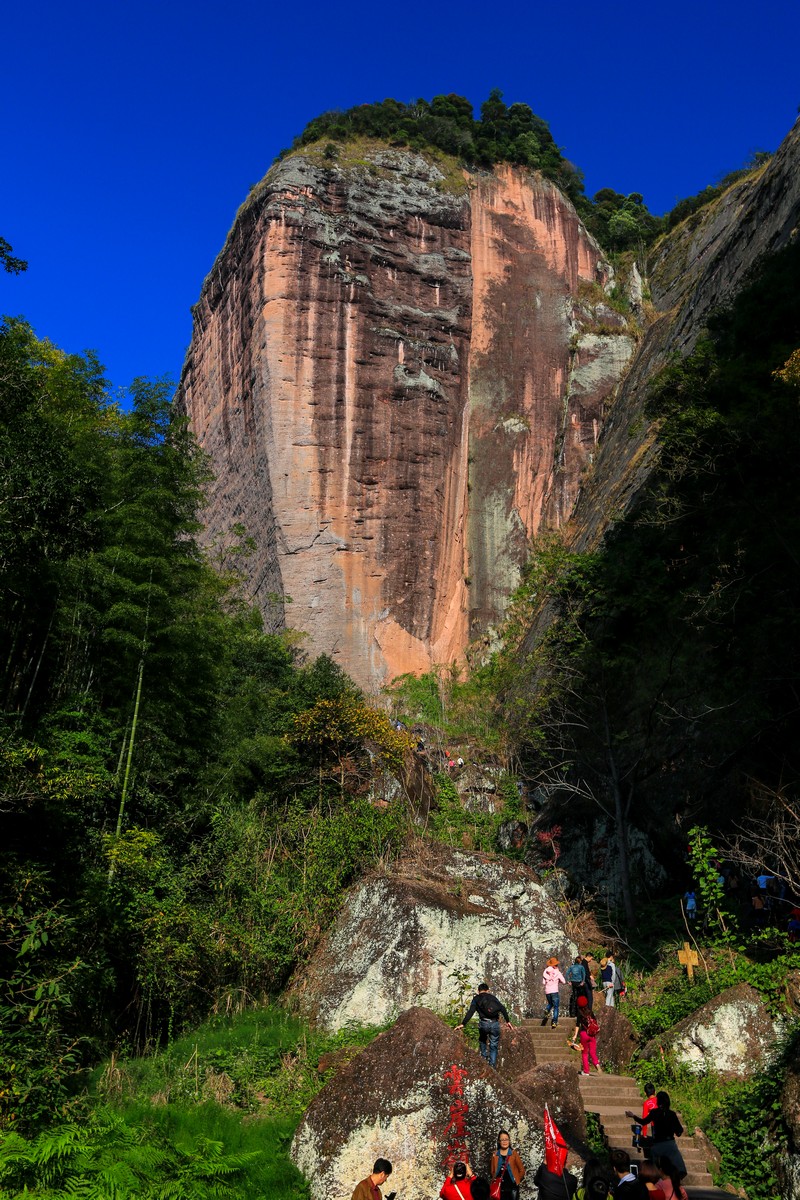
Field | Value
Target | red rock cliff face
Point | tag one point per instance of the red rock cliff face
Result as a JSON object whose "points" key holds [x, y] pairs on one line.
{"points": [[397, 379]]}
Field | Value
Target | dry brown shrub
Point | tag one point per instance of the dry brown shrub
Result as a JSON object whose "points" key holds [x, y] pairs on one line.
{"points": [[114, 1081], [218, 1086], [581, 926]]}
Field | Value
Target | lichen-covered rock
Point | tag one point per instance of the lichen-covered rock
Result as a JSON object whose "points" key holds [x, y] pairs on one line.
{"points": [[434, 926], [417, 1095], [733, 1034], [616, 1041]]}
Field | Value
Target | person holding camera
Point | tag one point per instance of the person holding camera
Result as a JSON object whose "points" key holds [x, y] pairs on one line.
{"points": [[458, 1185], [628, 1185], [370, 1188]]}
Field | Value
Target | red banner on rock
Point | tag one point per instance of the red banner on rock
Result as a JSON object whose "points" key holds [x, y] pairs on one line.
{"points": [[555, 1148]]}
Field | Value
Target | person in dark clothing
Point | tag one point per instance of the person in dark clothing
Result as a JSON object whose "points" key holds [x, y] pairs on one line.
{"points": [[552, 1186], [576, 977], [628, 1186], [666, 1127], [489, 1010], [590, 967], [597, 1180]]}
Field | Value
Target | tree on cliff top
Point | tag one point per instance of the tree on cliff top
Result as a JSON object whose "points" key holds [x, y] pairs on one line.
{"points": [[502, 133], [14, 266]]}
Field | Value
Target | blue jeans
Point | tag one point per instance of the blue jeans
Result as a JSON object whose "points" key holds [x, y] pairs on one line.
{"points": [[489, 1032], [553, 999]]}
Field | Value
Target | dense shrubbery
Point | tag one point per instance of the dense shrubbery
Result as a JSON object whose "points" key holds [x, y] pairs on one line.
{"points": [[209, 1115], [183, 796]]}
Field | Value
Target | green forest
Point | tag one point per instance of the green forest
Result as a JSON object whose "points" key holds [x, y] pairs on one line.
{"points": [[185, 798]]}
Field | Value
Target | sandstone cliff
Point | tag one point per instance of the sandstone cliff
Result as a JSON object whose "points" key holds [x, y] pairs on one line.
{"points": [[399, 372]]}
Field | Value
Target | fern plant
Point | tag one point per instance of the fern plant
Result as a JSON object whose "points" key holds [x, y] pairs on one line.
{"points": [[108, 1159]]}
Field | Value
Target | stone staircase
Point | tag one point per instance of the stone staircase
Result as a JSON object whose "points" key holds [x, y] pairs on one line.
{"points": [[609, 1096]]}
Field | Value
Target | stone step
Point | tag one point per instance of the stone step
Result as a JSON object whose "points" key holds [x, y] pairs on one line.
{"points": [[607, 1079]]}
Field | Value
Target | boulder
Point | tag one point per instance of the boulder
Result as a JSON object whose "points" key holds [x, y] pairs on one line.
{"points": [[616, 1041], [516, 1055], [733, 1034], [590, 856], [419, 1096], [426, 933], [556, 1084]]}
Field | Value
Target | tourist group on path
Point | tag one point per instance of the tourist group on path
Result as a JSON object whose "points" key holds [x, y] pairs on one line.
{"points": [[615, 1178], [659, 1178]]}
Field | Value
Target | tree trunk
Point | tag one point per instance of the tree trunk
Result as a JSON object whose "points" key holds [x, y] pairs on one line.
{"points": [[621, 824]]}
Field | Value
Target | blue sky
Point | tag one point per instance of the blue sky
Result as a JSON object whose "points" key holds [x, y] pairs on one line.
{"points": [[133, 131]]}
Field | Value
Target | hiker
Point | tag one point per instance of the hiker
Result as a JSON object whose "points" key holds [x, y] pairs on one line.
{"points": [[666, 1127], [590, 967], [648, 1104], [608, 978], [507, 1167], [551, 977], [576, 978], [627, 1186], [457, 1186], [370, 1188], [690, 907], [670, 1180], [489, 1010], [588, 1030]]}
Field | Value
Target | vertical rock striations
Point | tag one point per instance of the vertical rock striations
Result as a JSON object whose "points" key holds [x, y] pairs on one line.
{"points": [[399, 372]]}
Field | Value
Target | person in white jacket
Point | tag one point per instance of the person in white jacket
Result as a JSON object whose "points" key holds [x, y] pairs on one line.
{"points": [[551, 978]]}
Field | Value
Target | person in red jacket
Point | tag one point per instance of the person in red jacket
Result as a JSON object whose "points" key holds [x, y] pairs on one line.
{"points": [[457, 1184], [587, 1028]]}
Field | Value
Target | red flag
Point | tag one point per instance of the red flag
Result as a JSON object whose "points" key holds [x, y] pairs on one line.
{"points": [[555, 1148]]}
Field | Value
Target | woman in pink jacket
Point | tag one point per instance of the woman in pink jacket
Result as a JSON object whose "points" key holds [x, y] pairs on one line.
{"points": [[551, 978]]}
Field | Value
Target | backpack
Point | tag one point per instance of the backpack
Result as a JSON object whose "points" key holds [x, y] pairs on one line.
{"points": [[489, 1009], [592, 1028]]}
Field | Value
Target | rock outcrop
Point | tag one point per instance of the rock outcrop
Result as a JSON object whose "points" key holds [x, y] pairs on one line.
{"points": [[617, 1040], [700, 266], [426, 933], [732, 1035], [790, 1106], [556, 1085], [399, 372], [419, 1096]]}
